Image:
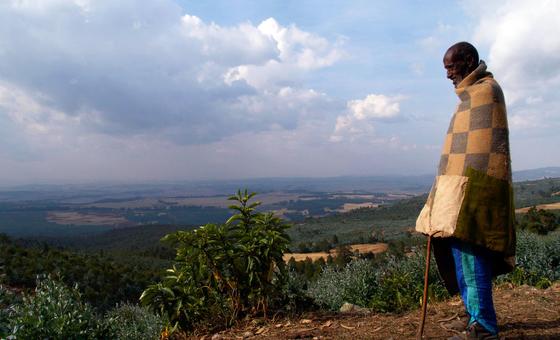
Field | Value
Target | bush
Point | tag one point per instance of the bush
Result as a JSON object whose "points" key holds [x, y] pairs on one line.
{"points": [[128, 321], [355, 283], [539, 221], [54, 312], [401, 284], [538, 260], [395, 285], [223, 271], [7, 300]]}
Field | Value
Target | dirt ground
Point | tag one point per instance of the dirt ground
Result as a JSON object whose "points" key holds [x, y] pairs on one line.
{"points": [[523, 313]]}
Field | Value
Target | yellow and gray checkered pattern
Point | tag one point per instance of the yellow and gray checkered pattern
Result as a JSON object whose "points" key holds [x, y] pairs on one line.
{"points": [[478, 133]]}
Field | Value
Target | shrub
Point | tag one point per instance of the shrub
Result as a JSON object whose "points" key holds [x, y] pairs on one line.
{"points": [[355, 283], [395, 285], [7, 300], [128, 321], [539, 221], [54, 312], [223, 271], [538, 260], [401, 284], [294, 293]]}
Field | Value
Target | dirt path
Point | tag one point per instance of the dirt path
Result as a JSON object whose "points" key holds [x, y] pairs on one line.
{"points": [[523, 313]]}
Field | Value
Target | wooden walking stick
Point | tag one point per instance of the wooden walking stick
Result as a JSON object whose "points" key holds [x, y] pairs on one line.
{"points": [[425, 296]]}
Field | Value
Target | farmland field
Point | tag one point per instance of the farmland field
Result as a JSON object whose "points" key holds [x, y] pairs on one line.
{"points": [[364, 248], [550, 206]]}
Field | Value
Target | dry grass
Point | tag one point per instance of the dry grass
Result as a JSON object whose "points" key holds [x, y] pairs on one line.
{"points": [[550, 206], [363, 248], [374, 248]]}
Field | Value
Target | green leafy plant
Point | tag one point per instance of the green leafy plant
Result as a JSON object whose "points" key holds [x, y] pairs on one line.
{"points": [[132, 322], [393, 285], [53, 312], [223, 270], [538, 260], [401, 283]]}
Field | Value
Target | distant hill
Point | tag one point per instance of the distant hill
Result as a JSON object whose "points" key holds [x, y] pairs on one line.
{"points": [[539, 173], [103, 192]]}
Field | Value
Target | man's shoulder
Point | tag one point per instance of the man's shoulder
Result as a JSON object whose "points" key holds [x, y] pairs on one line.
{"points": [[487, 86]]}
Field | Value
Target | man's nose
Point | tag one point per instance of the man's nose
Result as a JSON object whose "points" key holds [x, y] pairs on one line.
{"points": [[449, 73]]}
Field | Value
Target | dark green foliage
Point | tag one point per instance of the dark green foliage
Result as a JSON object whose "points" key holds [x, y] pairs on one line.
{"points": [[294, 294], [343, 255], [389, 221], [401, 284], [7, 300], [32, 222], [223, 271], [29, 218], [539, 221], [529, 193], [102, 281]]}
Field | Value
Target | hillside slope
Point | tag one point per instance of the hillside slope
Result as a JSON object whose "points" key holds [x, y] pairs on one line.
{"points": [[523, 313]]}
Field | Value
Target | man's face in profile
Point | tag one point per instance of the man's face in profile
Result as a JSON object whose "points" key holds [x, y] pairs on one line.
{"points": [[456, 67]]}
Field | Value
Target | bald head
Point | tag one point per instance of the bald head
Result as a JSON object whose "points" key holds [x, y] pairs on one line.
{"points": [[459, 61]]}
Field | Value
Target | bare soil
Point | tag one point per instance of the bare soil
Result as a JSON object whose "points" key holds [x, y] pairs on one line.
{"points": [[523, 313]]}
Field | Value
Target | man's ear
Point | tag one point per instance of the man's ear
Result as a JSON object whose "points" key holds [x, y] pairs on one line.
{"points": [[470, 62]]}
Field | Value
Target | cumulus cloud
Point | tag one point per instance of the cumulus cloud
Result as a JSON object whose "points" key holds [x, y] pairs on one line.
{"points": [[362, 113], [524, 49], [298, 52], [132, 68]]}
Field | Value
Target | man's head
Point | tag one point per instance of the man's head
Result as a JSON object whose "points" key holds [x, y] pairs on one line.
{"points": [[459, 61]]}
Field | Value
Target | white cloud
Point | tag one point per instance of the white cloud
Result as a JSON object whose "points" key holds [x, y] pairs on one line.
{"points": [[132, 68], [375, 106], [362, 113], [299, 52], [524, 54]]}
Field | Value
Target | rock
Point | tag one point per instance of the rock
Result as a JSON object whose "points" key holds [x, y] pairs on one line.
{"points": [[327, 324], [247, 335], [261, 330], [350, 308], [216, 336]]}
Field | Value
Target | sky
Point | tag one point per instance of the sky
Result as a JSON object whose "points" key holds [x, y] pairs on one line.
{"points": [[152, 90]]}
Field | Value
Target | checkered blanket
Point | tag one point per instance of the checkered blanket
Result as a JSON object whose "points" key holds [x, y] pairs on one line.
{"points": [[478, 132], [472, 197]]}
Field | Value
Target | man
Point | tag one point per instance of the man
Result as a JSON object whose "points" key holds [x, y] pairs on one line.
{"points": [[470, 207]]}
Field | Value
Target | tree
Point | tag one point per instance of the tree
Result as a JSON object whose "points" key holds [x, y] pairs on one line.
{"points": [[223, 271], [539, 221]]}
